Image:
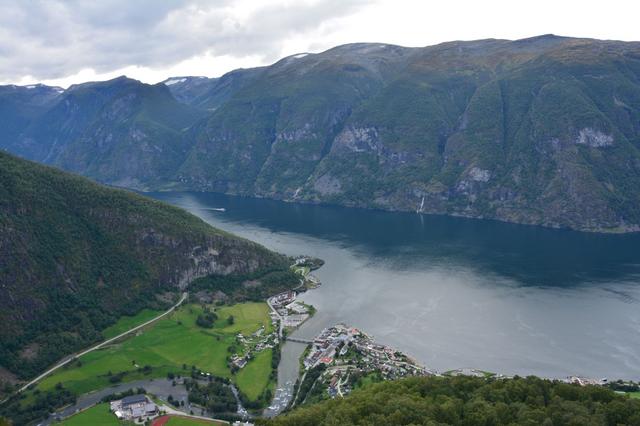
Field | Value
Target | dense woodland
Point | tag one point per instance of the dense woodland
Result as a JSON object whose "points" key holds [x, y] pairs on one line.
{"points": [[75, 256], [254, 286], [216, 395], [470, 401]]}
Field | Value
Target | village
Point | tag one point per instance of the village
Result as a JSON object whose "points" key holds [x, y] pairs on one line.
{"points": [[248, 346], [345, 351], [286, 314]]}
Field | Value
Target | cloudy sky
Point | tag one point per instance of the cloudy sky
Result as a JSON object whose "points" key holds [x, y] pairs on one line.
{"points": [[68, 41]]}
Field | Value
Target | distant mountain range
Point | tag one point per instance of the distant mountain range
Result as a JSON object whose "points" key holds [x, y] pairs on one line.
{"points": [[544, 130]]}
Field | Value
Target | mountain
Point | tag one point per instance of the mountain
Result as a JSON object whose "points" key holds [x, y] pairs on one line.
{"points": [[75, 256], [210, 93], [469, 401], [189, 90], [543, 131], [540, 131], [19, 106], [120, 131]]}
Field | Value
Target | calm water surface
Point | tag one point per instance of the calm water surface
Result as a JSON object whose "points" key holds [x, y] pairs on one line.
{"points": [[455, 292]]}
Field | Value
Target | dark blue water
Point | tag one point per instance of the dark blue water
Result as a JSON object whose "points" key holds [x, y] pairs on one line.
{"points": [[456, 292]]}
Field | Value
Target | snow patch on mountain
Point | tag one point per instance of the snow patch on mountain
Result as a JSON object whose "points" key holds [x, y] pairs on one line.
{"points": [[174, 81]]}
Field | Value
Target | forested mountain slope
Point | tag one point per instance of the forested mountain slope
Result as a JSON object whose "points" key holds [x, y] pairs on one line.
{"points": [[544, 130], [119, 131], [75, 256]]}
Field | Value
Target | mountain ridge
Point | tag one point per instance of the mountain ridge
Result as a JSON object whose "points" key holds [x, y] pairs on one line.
{"points": [[543, 130]]}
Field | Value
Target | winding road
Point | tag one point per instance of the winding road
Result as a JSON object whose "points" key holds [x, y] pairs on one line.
{"points": [[69, 358]]}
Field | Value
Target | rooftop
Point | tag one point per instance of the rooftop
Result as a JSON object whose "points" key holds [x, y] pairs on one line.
{"points": [[133, 399]]}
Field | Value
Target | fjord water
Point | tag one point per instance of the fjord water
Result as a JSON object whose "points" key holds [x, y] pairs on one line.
{"points": [[457, 293]]}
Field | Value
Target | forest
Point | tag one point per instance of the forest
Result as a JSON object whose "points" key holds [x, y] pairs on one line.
{"points": [[465, 400]]}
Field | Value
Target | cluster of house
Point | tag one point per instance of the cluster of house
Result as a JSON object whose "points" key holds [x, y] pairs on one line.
{"points": [[255, 343], [346, 349], [326, 343], [282, 299], [290, 311], [134, 407], [584, 381]]}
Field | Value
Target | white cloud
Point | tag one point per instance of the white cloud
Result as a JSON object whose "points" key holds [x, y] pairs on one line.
{"points": [[62, 42]]}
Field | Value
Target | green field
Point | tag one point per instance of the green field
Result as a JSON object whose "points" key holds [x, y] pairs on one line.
{"points": [[634, 395], [126, 323], [98, 415], [168, 344], [254, 378], [248, 318]]}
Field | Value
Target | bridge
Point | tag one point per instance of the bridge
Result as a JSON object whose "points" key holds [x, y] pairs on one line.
{"points": [[298, 340]]}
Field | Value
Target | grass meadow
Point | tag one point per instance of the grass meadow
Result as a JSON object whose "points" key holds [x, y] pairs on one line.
{"points": [[168, 345], [98, 415], [127, 323]]}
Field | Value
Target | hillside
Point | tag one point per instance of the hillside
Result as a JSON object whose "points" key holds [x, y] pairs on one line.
{"points": [[119, 131], [75, 256], [544, 131], [470, 401], [19, 107]]}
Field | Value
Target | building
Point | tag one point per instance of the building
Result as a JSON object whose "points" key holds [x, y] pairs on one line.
{"points": [[283, 299], [133, 407]]}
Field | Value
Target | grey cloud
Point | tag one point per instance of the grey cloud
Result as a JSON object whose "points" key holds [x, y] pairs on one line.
{"points": [[57, 38]]}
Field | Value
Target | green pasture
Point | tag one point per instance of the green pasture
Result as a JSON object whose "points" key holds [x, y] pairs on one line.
{"points": [[254, 377], [98, 415], [127, 323], [167, 345]]}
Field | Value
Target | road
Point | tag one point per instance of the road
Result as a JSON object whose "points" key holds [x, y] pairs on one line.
{"points": [[280, 330], [340, 383], [69, 358]]}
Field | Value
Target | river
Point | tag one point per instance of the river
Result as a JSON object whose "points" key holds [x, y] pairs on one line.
{"points": [[454, 292]]}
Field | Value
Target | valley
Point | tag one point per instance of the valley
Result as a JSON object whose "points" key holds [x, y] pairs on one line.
{"points": [[363, 234]]}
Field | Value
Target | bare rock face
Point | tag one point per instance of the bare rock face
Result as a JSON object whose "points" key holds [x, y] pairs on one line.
{"points": [[479, 175], [358, 139], [215, 258], [594, 138]]}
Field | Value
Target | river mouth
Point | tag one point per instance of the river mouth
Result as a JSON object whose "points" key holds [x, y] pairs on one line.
{"points": [[457, 293]]}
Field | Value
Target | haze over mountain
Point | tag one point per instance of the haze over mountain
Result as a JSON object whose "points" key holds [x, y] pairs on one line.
{"points": [[544, 130], [75, 256]]}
